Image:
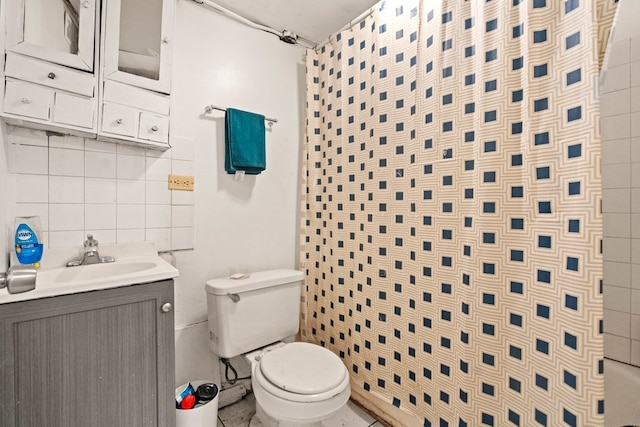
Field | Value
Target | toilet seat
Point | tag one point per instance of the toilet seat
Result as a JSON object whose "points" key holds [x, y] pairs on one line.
{"points": [[301, 372]]}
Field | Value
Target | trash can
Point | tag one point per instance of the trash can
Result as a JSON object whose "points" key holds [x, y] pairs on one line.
{"points": [[202, 416]]}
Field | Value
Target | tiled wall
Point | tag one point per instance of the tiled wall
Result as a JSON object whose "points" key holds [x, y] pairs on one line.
{"points": [[119, 193], [620, 126]]}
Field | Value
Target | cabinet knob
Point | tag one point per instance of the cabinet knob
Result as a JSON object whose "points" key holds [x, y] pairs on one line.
{"points": [[154, 128], [51, 75], [165, 40], [86, 4], [26, 100], [119, 121], [166, 307]]}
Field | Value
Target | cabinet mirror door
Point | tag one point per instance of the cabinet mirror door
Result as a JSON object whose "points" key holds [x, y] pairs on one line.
{"points": [[59, 31], [137, 38]]}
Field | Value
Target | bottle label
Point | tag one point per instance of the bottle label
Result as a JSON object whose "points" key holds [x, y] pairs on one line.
{"points": [[28, 249]]}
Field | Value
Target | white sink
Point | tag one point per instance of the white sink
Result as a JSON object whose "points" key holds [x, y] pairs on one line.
{"points": [[81, 273], [135, 263]]}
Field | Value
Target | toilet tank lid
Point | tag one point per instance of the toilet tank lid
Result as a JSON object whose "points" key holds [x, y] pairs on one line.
{"points": [[257, 280]]}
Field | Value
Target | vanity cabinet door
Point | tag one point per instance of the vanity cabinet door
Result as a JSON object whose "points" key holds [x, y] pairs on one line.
{"points": [[100, 359], [137, 41], [58, 31]]}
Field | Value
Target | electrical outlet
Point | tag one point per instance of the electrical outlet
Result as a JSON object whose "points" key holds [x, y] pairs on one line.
{"points": [[181, 182]]}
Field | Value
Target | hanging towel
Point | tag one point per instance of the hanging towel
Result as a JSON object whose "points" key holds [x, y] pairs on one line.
{"points": [[244, 142]]}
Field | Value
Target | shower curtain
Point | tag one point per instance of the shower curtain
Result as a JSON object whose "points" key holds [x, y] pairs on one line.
{"points": [[451, 211]]}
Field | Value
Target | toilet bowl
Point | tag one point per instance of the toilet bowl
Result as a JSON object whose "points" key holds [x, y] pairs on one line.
{"points": [[297, 384]]}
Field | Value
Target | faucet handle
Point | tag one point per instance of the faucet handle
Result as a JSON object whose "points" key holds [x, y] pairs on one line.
{"points": [[90, 242]]}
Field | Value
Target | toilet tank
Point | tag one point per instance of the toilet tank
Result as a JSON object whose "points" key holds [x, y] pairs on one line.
{"points": [[249, 313]]}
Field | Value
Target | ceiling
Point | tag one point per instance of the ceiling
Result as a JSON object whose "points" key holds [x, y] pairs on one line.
{"points": [[313, 20]]}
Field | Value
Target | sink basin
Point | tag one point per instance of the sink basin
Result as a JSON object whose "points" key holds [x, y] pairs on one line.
{"points": [[135, 263], [110, 270]]}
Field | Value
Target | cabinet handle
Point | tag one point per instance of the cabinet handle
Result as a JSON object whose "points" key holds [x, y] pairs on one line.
{"points": [[154, 128], [119, 121], [51, 76], [166, 307], [26, 100]]}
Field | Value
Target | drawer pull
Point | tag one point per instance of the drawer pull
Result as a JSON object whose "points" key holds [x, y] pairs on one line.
{"points": [[154, 128], [119, 121], [26, 100], [51, 75]]}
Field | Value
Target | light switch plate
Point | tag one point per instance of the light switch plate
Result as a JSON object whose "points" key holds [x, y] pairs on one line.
{"points": [[181, 182]]}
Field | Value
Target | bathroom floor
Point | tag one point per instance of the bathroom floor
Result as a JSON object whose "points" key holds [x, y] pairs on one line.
{"points": [[239, 414]]}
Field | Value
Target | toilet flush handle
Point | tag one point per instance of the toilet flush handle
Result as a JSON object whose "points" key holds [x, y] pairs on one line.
{"points": [[234, 297]]}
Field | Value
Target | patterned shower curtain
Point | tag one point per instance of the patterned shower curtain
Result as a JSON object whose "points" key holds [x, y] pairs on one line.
{"points": [[451, 207]]}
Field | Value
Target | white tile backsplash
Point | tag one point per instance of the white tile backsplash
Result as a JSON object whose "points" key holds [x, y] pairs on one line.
{"points": [[182, 238], [182, 216], [65, 162], [618, 78], [79, 186], [66, 189], [100, 146], [25, 136], [179, 197], [130, 216], [130, 235], [616, 151], [616, 176], [158, 169], [130, 167], [100, 217], [67, 141], [182, 148], [66, 217], [99, 164], [158, 193], [616, 103], [617, 225], [617, 348], [158, 216], [29, 159], [58, 239], [131, 192], [31, 188], [617, 249], [99, 190], [183, 167], [162, 237], [617, 274]]}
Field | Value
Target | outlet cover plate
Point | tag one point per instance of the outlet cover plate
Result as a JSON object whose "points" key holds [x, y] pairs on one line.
{"points": [[181, 182]]}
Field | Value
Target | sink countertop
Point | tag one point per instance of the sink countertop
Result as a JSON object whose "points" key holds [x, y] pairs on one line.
{"points": [[135, 263]]}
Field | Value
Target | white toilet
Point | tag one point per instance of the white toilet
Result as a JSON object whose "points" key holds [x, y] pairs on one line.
{"points": [[296, 384]]}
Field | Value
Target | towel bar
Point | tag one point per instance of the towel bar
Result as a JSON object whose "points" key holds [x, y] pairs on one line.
{"points": [[209, 108]]}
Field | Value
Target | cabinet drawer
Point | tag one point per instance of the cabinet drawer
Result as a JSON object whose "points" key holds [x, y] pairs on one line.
{"points": [[48, 74], [73, 110], [119, 120], [154, 127], [25, 99]]}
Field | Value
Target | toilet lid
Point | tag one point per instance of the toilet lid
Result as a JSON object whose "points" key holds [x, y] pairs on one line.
{"points": [[303, 368]]}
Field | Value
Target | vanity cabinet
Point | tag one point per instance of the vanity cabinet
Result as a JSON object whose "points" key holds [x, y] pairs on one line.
{"points": [[93, 68], [101, 358]]}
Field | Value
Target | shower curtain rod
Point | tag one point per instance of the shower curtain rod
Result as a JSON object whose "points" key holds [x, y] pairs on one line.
{"points": [[209, 108], [355, 21], [281, 34]]}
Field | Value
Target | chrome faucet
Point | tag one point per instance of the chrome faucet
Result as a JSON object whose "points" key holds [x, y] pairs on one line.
{"points": [[91, 255]]}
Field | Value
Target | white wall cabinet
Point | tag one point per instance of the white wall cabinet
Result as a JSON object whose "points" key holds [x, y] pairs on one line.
{"points": [[93, 68]]}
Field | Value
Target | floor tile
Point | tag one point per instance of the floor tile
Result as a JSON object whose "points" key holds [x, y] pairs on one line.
{"points": [[239, 414], [351, 415]]}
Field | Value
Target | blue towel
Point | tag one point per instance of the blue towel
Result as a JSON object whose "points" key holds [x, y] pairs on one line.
{"points": [[244, 142]]}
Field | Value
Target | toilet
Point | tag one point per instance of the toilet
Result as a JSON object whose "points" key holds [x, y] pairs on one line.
{"points": [[295, 384]]}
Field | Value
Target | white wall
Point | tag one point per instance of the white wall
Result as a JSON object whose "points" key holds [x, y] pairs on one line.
{"points": [[4, 178], [620, 126], [251, 223]]}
